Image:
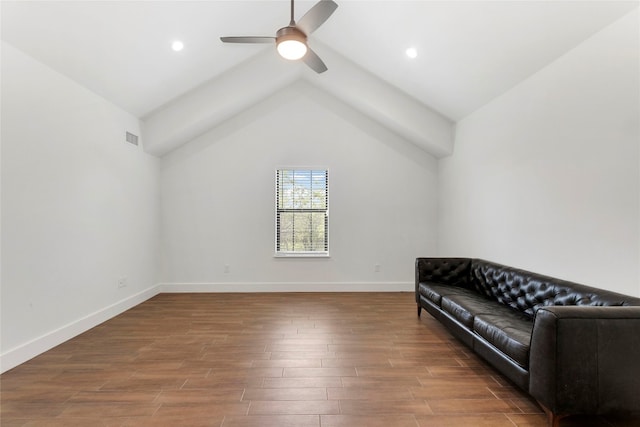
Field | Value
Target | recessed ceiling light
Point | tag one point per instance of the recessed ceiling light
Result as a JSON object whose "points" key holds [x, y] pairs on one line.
{"points": [[412, 52], [177, 45]]}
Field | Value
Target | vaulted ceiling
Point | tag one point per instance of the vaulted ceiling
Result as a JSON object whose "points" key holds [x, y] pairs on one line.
{"points": [[469, 52]]}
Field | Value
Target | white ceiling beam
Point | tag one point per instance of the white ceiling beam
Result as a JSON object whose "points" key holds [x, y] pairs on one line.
{"points": [[394, 109], [210, 104], [254, 80]]}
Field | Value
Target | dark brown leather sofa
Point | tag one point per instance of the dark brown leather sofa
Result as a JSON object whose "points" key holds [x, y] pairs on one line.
{"points": [[574, 348]]}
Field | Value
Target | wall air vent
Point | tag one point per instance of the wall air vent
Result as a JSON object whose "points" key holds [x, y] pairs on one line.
{"points": [[132, 139]]}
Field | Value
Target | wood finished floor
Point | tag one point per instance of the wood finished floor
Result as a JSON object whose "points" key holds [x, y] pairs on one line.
{"points": [[285, 360]]}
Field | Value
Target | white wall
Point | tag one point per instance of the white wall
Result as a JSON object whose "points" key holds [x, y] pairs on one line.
{"points": [[80, 209], [546, 177], [218, 200]]}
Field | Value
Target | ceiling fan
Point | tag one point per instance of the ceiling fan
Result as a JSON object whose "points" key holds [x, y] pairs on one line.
{"points": [[291, 41]]}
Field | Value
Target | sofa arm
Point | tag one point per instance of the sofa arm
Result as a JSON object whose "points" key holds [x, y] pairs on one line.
{"points": [[586, 359]]}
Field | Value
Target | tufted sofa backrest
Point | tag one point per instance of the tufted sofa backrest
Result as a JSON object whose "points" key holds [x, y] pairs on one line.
{"points": [[452, 271], [527, 292]]}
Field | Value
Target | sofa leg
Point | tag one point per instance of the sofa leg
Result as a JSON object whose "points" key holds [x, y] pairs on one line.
{"points": [[419, 310], [552, 419]]}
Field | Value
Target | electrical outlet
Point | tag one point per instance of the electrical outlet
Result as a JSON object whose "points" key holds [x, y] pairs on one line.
{"points": [[376, 268], [226, 269], [122, 282]]}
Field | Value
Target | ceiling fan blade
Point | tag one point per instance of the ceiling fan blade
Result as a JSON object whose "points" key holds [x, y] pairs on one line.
{"points": [[249, 39], [314, 62], [316, 16]]}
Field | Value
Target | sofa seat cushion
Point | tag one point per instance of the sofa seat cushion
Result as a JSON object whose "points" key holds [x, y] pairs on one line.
{"points": [[464, 307], [508, 330], [434, 291]]}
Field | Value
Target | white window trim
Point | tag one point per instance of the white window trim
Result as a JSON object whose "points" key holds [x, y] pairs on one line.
{"points": [[300, 254]]}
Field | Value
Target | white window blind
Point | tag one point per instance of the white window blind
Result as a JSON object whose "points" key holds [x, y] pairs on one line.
{"points": [[302, 212]]}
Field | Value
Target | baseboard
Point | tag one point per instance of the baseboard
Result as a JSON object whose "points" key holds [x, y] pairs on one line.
{"points": [[288, 287], [31, 349]]}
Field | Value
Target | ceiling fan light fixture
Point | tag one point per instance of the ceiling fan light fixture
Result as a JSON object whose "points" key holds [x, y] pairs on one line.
{"points": [[292, 49], [291, 43]]}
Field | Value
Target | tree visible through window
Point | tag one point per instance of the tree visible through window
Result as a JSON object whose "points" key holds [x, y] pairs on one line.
{"points": [[302, 220]]}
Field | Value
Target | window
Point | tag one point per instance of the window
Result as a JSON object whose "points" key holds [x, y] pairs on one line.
{"points": [[302, 212]]}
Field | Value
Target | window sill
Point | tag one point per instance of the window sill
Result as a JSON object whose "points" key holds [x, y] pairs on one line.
{"points": [[301, 255]]}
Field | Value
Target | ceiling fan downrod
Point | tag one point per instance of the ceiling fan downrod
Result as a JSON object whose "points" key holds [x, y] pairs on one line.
{"points": [[292, 22]]}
